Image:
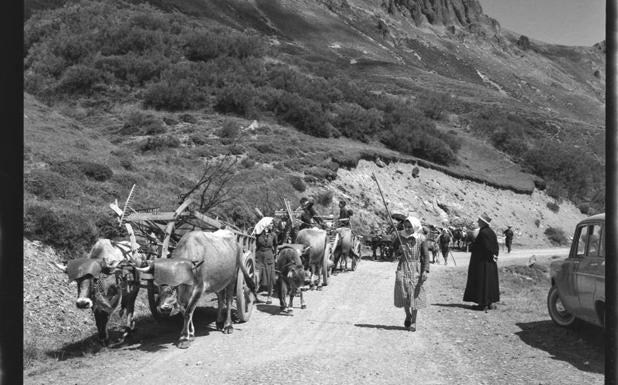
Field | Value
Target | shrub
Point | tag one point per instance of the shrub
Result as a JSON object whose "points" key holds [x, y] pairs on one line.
{"points": [[304, 114], [324, 198], [537, 222], [78, 79], [266, 148], [140, 123], [346, 160], [434, 106], [247, 162], [159, 142], [353, 121], [229, 129], [556, 236], [67, 229], [48, 184], [237, 99], [76, 168], [298, 183], [321, 173], [170, 95], [553, 206], [187, 118]]}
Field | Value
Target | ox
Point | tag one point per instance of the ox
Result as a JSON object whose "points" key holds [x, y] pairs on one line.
{"points": [[318, 260], [202, 262], [346, 245], [106, 282], [290, 274]]}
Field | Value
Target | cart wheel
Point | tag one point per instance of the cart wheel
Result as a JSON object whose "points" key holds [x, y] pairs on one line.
{"points": [[153, 297], [244, 298]]}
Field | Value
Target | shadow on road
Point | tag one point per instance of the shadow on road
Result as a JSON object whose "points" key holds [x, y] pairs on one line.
{"points": [[382, 327], [582, 346], [460, 305], [149, 335]]}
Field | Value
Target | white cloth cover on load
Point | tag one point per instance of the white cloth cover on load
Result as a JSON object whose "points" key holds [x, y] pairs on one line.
{"points": [[262, 224]]}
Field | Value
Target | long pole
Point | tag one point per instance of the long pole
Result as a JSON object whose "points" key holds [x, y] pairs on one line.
{"points": [[452, 256], [403, 245]]}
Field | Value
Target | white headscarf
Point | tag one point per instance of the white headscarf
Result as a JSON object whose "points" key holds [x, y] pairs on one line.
{"points": [[262, 224], [417, 227]]}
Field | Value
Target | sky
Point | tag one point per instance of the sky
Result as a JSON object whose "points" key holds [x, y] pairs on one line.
{"points": [[567, 22]]}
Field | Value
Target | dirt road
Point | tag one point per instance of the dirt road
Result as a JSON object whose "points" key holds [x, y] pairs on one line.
{"points": [[350, 333]]}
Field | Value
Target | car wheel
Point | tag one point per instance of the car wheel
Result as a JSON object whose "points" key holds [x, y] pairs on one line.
{"points": [[558, 313]]}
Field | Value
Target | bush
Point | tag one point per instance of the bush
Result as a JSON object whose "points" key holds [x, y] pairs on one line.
{"points": [[230, 129], [304, 114], [78, 79], [76, 168], [266, 148], [434, 106], [321, 173], [247, 162], [171, 95], [237, 99], [298, 183], [324, 198], [553, 206], [346, 160], [556, 236], [537, 222], [158, 143], [67, 229], [187, 118], [140, 123], [47, 184]]}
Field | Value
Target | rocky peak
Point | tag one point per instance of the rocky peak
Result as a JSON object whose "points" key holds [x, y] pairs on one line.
{"points": [[465, 13]]}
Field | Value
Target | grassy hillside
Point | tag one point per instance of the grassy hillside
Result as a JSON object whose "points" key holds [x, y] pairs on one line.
{"points": [[121, 93]]}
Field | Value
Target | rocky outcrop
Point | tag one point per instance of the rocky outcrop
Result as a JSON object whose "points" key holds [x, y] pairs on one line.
{"points": [[600, 46], [465, 13]]}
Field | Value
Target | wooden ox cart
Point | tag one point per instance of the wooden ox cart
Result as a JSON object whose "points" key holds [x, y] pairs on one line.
{"points": [[157, 233]]}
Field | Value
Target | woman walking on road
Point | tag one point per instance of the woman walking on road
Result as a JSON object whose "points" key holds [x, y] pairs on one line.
{"points": [[482, 286], [265, 245], [412, 271]]}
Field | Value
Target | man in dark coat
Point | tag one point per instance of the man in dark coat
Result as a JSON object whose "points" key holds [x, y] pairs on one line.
{"points": [[508, 238], [482, 286], [309, 216], [344, 215]]}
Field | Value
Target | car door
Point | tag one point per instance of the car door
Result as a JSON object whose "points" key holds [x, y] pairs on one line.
{"points": [[591, 269], [566, 278]]}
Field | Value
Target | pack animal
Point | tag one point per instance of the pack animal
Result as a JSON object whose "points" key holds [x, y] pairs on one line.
{"points": [[202, 262], [106, 282], [346, 246], [319, 253], [290, 275]]}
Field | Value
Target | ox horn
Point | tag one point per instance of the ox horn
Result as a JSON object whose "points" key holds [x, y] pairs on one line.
{"points": [[60, 267], [147, 269]]}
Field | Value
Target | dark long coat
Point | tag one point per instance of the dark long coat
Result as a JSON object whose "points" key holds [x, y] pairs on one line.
{"points": [[265, 259], [483, 287]]}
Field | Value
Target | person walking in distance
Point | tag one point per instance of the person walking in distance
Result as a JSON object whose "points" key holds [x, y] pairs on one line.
{"points": [[508, 238], [482, 286], [444, 240], [412, 271]]}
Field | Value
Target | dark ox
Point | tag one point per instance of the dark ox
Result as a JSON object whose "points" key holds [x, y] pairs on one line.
{"points": [[290, 275], [319, 254], [106, 282], [202, 262]]}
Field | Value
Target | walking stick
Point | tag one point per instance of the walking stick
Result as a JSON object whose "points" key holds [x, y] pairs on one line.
{"points": [[404, 247], [449, 251]]}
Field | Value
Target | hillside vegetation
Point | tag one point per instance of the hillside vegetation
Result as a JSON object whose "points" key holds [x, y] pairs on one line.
{"points": [[120, 94]]}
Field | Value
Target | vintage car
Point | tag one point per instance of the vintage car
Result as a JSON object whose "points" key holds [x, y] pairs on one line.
{"points": [[578, 282]]}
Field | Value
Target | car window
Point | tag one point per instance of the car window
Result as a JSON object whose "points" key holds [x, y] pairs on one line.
{"points": [[581, 241], [593, 243]]}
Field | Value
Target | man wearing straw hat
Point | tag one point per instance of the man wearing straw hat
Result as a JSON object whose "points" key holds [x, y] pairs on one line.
{"points": [[482, 286]]}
